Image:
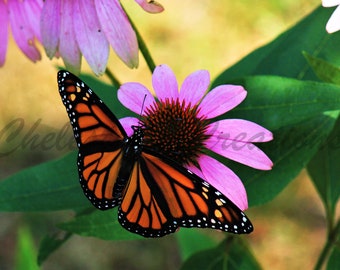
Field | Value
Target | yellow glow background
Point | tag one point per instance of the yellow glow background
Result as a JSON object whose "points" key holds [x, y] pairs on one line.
{"points": [[189, 35]]}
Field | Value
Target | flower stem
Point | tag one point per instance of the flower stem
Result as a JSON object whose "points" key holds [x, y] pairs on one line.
{"points": [[144, 50], [142, 47], [112, 78], [332, 238]]}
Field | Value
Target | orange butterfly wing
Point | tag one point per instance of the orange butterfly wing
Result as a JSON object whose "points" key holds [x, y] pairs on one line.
{"points": [[155, 194], [162, 196], [99, 137]]}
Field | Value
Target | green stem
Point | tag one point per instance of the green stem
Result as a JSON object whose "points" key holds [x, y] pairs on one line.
{"points": [[112, 78], [144, 50], [142, 47], [332, 238]]}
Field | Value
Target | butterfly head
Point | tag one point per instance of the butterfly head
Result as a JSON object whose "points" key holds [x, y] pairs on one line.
{"points": [[136, 140], [138, 131]]}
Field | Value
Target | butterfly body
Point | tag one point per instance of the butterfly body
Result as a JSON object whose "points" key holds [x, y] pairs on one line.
{"points": [[155, 194]]}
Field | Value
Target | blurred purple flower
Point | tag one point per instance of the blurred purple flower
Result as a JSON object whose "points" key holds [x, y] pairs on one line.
{"points": [[76, 27], [23, 16], [179, 124]]}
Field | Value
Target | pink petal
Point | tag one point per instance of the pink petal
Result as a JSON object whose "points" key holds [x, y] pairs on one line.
{"points": [[50, 26], [152, 6], [135, 95], [238, 130], [90, 37], [22, 31], [243, 152], [194, 87], [221, 99], [196, 171], [33, 14], [224, 180], [68, 46], [3, 32], [333, 23], [127, 123], [118, 31], [164, 83]]}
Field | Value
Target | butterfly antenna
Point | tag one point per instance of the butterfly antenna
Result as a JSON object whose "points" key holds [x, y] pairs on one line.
{"points": [[142, 109]]}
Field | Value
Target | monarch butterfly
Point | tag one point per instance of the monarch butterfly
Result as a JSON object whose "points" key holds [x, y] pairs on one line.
{"points": [[154, 193]]}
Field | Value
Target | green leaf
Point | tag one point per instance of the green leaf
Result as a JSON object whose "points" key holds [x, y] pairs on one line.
{"points": [[191, 241], [283, 108], [230, 254], [49, 186], [275, 102], [100, 224], [324, 170], [50, 244], [293, 146], [334, 261], [294, 111], [26, 253], [283, 56], [323, 69]]}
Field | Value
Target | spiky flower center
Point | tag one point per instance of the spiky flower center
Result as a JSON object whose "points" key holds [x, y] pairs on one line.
{"points": [[174, 129]]}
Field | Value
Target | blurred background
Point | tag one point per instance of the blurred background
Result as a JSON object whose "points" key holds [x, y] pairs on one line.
{"points": [[189, 35]]}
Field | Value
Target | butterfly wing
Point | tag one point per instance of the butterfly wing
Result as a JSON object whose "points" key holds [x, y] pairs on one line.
{"points": [[99, 136], [162, 196]]}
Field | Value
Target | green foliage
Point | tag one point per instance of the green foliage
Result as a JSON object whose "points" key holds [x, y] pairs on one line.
{"points": [[191, 241], [293, 91], [325, 170], [291, 150], [100, 224], [40, 188], [325, 71], [50, 244], [334, 262], [231, 254], [284, 55], [26, 251]]}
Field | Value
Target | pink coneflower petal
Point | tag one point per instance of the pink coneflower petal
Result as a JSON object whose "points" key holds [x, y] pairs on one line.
{"points": [[96, 25], [242, 152], [68, 46], [118, 31], [152, 6], [231, 138], [223, 179], [90, 37], [221, 99], [127, 123], [194, 87], [135, 95], [22, 31], [195, 170], [3, 32], [164, 83], [238, 130], [33, 10], [50, 26]]}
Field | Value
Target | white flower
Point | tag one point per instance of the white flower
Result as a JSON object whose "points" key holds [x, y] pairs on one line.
{"points": [[333, 23]]}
